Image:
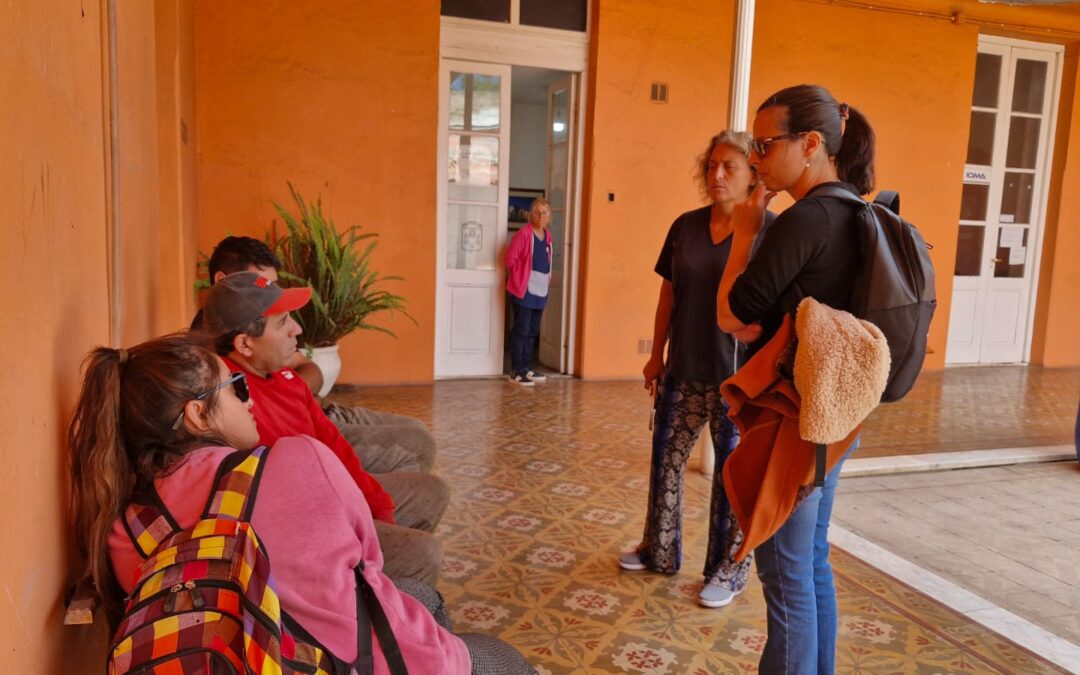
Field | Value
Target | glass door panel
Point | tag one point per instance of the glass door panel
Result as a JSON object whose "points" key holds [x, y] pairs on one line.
{"points": [[472, 171], [475, 101], [981, 138]]}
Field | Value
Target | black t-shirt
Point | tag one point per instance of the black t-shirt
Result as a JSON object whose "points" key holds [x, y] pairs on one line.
{"points": [[812, 249], [698, 351]]}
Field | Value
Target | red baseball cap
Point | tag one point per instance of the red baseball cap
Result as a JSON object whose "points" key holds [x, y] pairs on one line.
{"points": [[240, 298]]}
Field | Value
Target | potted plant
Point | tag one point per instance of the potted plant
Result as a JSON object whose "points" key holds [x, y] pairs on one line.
{"points": [[345, 290]]}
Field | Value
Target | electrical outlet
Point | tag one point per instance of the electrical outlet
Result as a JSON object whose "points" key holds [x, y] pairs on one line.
{"points": [[644, 346]]}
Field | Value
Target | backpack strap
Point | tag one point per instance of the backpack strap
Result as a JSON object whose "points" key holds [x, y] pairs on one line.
{"points": [[369, 612], [836, 192], [148, 523], [890, 199], [235, 485]]}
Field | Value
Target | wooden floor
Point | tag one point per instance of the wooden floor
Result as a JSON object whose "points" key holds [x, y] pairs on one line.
{"points": [[550, 484]]}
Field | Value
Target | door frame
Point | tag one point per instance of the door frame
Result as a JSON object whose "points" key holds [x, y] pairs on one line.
{"points": [[1045, 169], [516, 45]]}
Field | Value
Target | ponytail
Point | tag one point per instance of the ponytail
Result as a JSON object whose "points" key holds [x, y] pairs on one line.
{"points": [[121, 437], [849, 138], [100, 470], [855, 160]]}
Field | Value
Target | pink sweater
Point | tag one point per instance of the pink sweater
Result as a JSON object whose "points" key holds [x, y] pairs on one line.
{"points": [[519, 259], [316, 527]]}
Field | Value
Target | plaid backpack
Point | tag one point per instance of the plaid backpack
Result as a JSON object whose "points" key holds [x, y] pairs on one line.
{"points": [[204, 599]]}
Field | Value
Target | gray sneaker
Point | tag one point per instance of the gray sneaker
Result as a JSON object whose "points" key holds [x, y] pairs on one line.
{"points": [[537, 377], [631, 561], [715, 594]]}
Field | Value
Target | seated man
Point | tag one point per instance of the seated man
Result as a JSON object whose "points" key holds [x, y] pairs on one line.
{"points": [[248, 318], [384, 441]]}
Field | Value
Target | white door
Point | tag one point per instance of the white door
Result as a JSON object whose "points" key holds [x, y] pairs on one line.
{"points": [[474, 152], [1004, 202], [554, 337]]}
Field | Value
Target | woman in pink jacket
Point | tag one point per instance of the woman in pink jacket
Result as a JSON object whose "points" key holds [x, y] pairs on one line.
{"points": [[160, 419], [528, 274]]}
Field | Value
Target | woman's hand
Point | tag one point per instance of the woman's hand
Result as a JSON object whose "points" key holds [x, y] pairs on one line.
{"points": [[749, 213], [748, 334], [652, 372]]}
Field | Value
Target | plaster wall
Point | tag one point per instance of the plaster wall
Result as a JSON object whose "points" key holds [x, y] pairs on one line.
{"points": [[342, 102], [54, 265], [643, 153]]}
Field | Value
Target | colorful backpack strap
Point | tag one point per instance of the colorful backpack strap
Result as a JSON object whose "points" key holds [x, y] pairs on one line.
{"points": [[235, 485], [148, 523]]}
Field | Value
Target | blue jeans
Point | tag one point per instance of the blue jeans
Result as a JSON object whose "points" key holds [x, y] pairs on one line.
{"points": [[523, 337], [797, 580]]}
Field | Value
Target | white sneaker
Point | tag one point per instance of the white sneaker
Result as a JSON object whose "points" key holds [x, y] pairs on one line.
{"points": [[536, 377], [631, 561], [714, 594]]}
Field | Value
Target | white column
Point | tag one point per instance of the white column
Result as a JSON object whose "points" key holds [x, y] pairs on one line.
{"points": [[740, 65]]}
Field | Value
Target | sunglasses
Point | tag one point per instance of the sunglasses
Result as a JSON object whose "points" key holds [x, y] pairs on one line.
{"points": [[239, 385], [761, 145]]}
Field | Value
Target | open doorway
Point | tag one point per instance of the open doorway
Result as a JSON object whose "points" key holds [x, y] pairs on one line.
{"points": [[540, 144], [509, 118]]}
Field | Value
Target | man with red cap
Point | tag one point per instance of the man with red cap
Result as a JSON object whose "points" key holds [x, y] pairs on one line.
{"points": [[248, 318]]}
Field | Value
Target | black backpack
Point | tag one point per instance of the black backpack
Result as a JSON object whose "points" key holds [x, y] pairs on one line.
{"points": [[894, 290]]}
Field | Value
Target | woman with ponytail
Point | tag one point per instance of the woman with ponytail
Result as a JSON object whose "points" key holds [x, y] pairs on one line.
{"points": [[161, 418], [804, 140]]}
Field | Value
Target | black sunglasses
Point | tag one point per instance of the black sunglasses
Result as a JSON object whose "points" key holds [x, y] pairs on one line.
{"points": [[761, 145], [239, 385]]}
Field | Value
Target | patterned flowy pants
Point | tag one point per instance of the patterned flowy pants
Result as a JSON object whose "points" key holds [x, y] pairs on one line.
{"points": [[682, 411]]}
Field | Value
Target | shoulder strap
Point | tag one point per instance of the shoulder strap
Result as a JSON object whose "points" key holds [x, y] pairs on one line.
{"points": [[148, 524], [235, 485], [890, 199], [836, 192], [369, 613]]}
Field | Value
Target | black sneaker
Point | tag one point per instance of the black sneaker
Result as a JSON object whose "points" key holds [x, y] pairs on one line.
{"points": [[523, 379], [536, 377]]}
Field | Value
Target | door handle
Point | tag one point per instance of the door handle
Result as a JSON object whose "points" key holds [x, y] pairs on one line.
{"points": [[997, 260]]}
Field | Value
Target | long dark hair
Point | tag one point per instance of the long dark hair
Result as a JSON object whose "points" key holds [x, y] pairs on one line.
{"points": [[813, 108], [121, 436]]}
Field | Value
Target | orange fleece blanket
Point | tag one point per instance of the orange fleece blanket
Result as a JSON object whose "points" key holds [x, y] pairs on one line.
{"points": [[763, 475]]}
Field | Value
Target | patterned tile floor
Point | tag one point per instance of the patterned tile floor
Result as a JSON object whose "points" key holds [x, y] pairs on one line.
{"points": [[550, 484], [975, 409]]}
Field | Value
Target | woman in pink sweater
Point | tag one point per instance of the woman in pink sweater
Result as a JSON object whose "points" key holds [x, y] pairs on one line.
{"points": [[528, 275], [161, 418]]}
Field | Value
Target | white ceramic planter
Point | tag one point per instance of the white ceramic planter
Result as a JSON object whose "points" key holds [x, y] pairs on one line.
{"points": [[329, 362]]}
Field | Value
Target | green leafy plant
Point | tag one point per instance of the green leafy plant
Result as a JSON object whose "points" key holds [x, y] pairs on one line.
{"points": [[337, 267]]}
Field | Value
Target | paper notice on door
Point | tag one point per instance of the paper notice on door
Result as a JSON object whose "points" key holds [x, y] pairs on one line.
{"points": [[1017, 255], [1011, 236], [1007, 218]]}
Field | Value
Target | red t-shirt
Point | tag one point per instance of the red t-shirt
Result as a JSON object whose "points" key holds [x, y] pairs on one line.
{"points": [[284, 406]]}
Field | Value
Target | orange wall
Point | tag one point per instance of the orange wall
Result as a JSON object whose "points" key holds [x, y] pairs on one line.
{"points": [[1060, 281], [912, 75], [175, 63], [913, 78], [341, 99], [53, 269], [55, 258], [645, 153], [137, 177]]}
